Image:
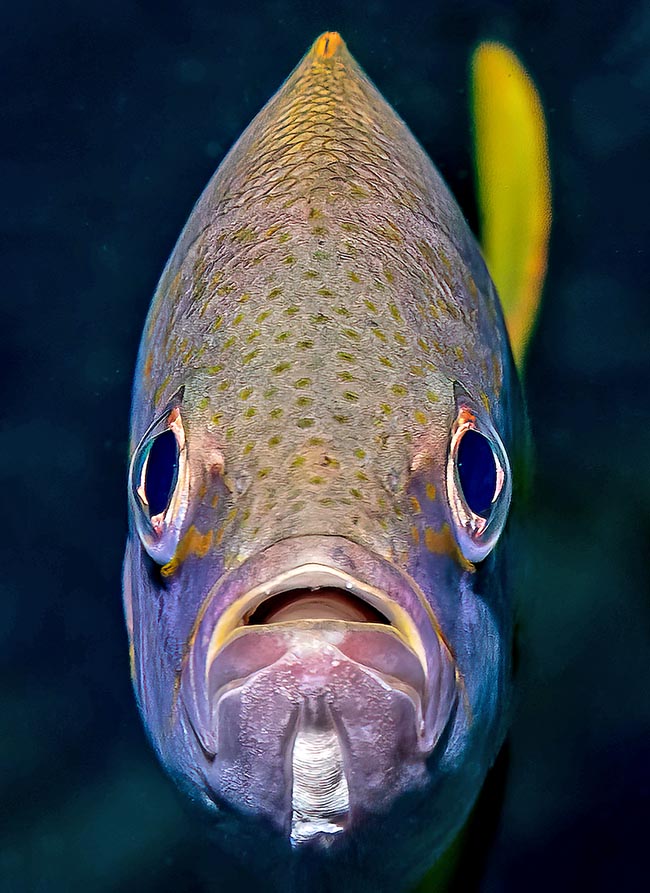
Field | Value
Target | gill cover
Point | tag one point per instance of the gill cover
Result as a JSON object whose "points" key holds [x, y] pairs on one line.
{"points": [[513, 185]]}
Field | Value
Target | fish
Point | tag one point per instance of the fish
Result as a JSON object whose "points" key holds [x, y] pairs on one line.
{"points": [[327, 441]]}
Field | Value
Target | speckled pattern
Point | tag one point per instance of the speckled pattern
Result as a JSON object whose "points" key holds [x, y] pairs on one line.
{"points": [[321, 300]]}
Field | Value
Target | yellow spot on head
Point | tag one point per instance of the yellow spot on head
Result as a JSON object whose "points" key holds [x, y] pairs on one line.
{"points": [[442, 542], [281, 367], [193, 543], [328, 45], [250, 356], [431, 492]]}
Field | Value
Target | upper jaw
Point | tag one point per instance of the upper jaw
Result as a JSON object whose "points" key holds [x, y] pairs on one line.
{"points": [[314, 562]]}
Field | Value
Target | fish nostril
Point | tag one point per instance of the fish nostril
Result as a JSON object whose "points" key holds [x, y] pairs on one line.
{"points": [[323, 603]]}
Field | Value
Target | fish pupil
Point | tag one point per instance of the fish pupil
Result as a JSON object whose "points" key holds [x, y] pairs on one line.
{"points": [[477, 471], [161, 472]]}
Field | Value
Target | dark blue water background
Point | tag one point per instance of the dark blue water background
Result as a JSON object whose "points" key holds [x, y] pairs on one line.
{"points": [[113, 118]]}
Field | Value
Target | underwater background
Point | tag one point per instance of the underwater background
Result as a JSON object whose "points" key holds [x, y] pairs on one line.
{"points": [[113, 119]]}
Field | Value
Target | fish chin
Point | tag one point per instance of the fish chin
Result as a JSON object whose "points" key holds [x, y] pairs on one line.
{"points": [[317, 696]]}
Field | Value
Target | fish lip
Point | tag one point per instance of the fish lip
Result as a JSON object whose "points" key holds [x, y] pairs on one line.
{"points": [[219, 614], [314, 575]]}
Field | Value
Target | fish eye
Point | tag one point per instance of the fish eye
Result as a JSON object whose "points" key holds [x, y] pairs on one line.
{"points": [[159, 472], [476, 466], [478, 484], [159, 484]]}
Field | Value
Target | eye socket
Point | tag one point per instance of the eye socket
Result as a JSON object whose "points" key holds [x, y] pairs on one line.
{"points": [[479, 484], [158, 488]]}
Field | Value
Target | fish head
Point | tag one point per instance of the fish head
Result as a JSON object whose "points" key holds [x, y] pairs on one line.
{"points": [[324, 420]]}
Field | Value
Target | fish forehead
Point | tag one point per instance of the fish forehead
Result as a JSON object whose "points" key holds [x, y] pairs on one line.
{"points": [[325, 278]]}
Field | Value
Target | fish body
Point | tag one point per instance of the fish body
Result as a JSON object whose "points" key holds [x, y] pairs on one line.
{"points": [[326, 418]]}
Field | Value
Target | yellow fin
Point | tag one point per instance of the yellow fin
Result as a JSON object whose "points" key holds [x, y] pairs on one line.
{"points": [[513, 185]]}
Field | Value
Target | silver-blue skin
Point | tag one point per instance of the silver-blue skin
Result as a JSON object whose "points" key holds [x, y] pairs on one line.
{"points": [[320, 624]]}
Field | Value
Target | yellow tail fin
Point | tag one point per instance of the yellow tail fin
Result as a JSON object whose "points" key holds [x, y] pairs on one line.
{"points": [[513, 185]]}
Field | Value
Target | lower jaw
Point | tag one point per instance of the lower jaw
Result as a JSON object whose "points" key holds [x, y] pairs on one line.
{"points": [[314, 739], [267, 699]]}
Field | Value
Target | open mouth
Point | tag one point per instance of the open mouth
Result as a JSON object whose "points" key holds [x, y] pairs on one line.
{"points": [[323, 603], [283, 633], [313, 593]]}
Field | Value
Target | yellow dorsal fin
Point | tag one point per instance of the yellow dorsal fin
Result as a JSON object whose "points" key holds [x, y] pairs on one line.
{"points": [[513, 185]]}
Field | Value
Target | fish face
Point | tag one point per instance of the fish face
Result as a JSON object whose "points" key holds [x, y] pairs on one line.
{"points": [[324, 419]]}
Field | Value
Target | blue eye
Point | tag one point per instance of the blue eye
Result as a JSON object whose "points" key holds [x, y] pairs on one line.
{"points": [[477, 471], [161, 472]]}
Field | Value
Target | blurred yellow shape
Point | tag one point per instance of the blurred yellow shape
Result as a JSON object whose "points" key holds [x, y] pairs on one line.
{"points": [[513, 185]]}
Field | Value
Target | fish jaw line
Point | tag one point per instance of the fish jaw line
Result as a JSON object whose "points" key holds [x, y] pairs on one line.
{"points": [[324, 561], [314, 576]]}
